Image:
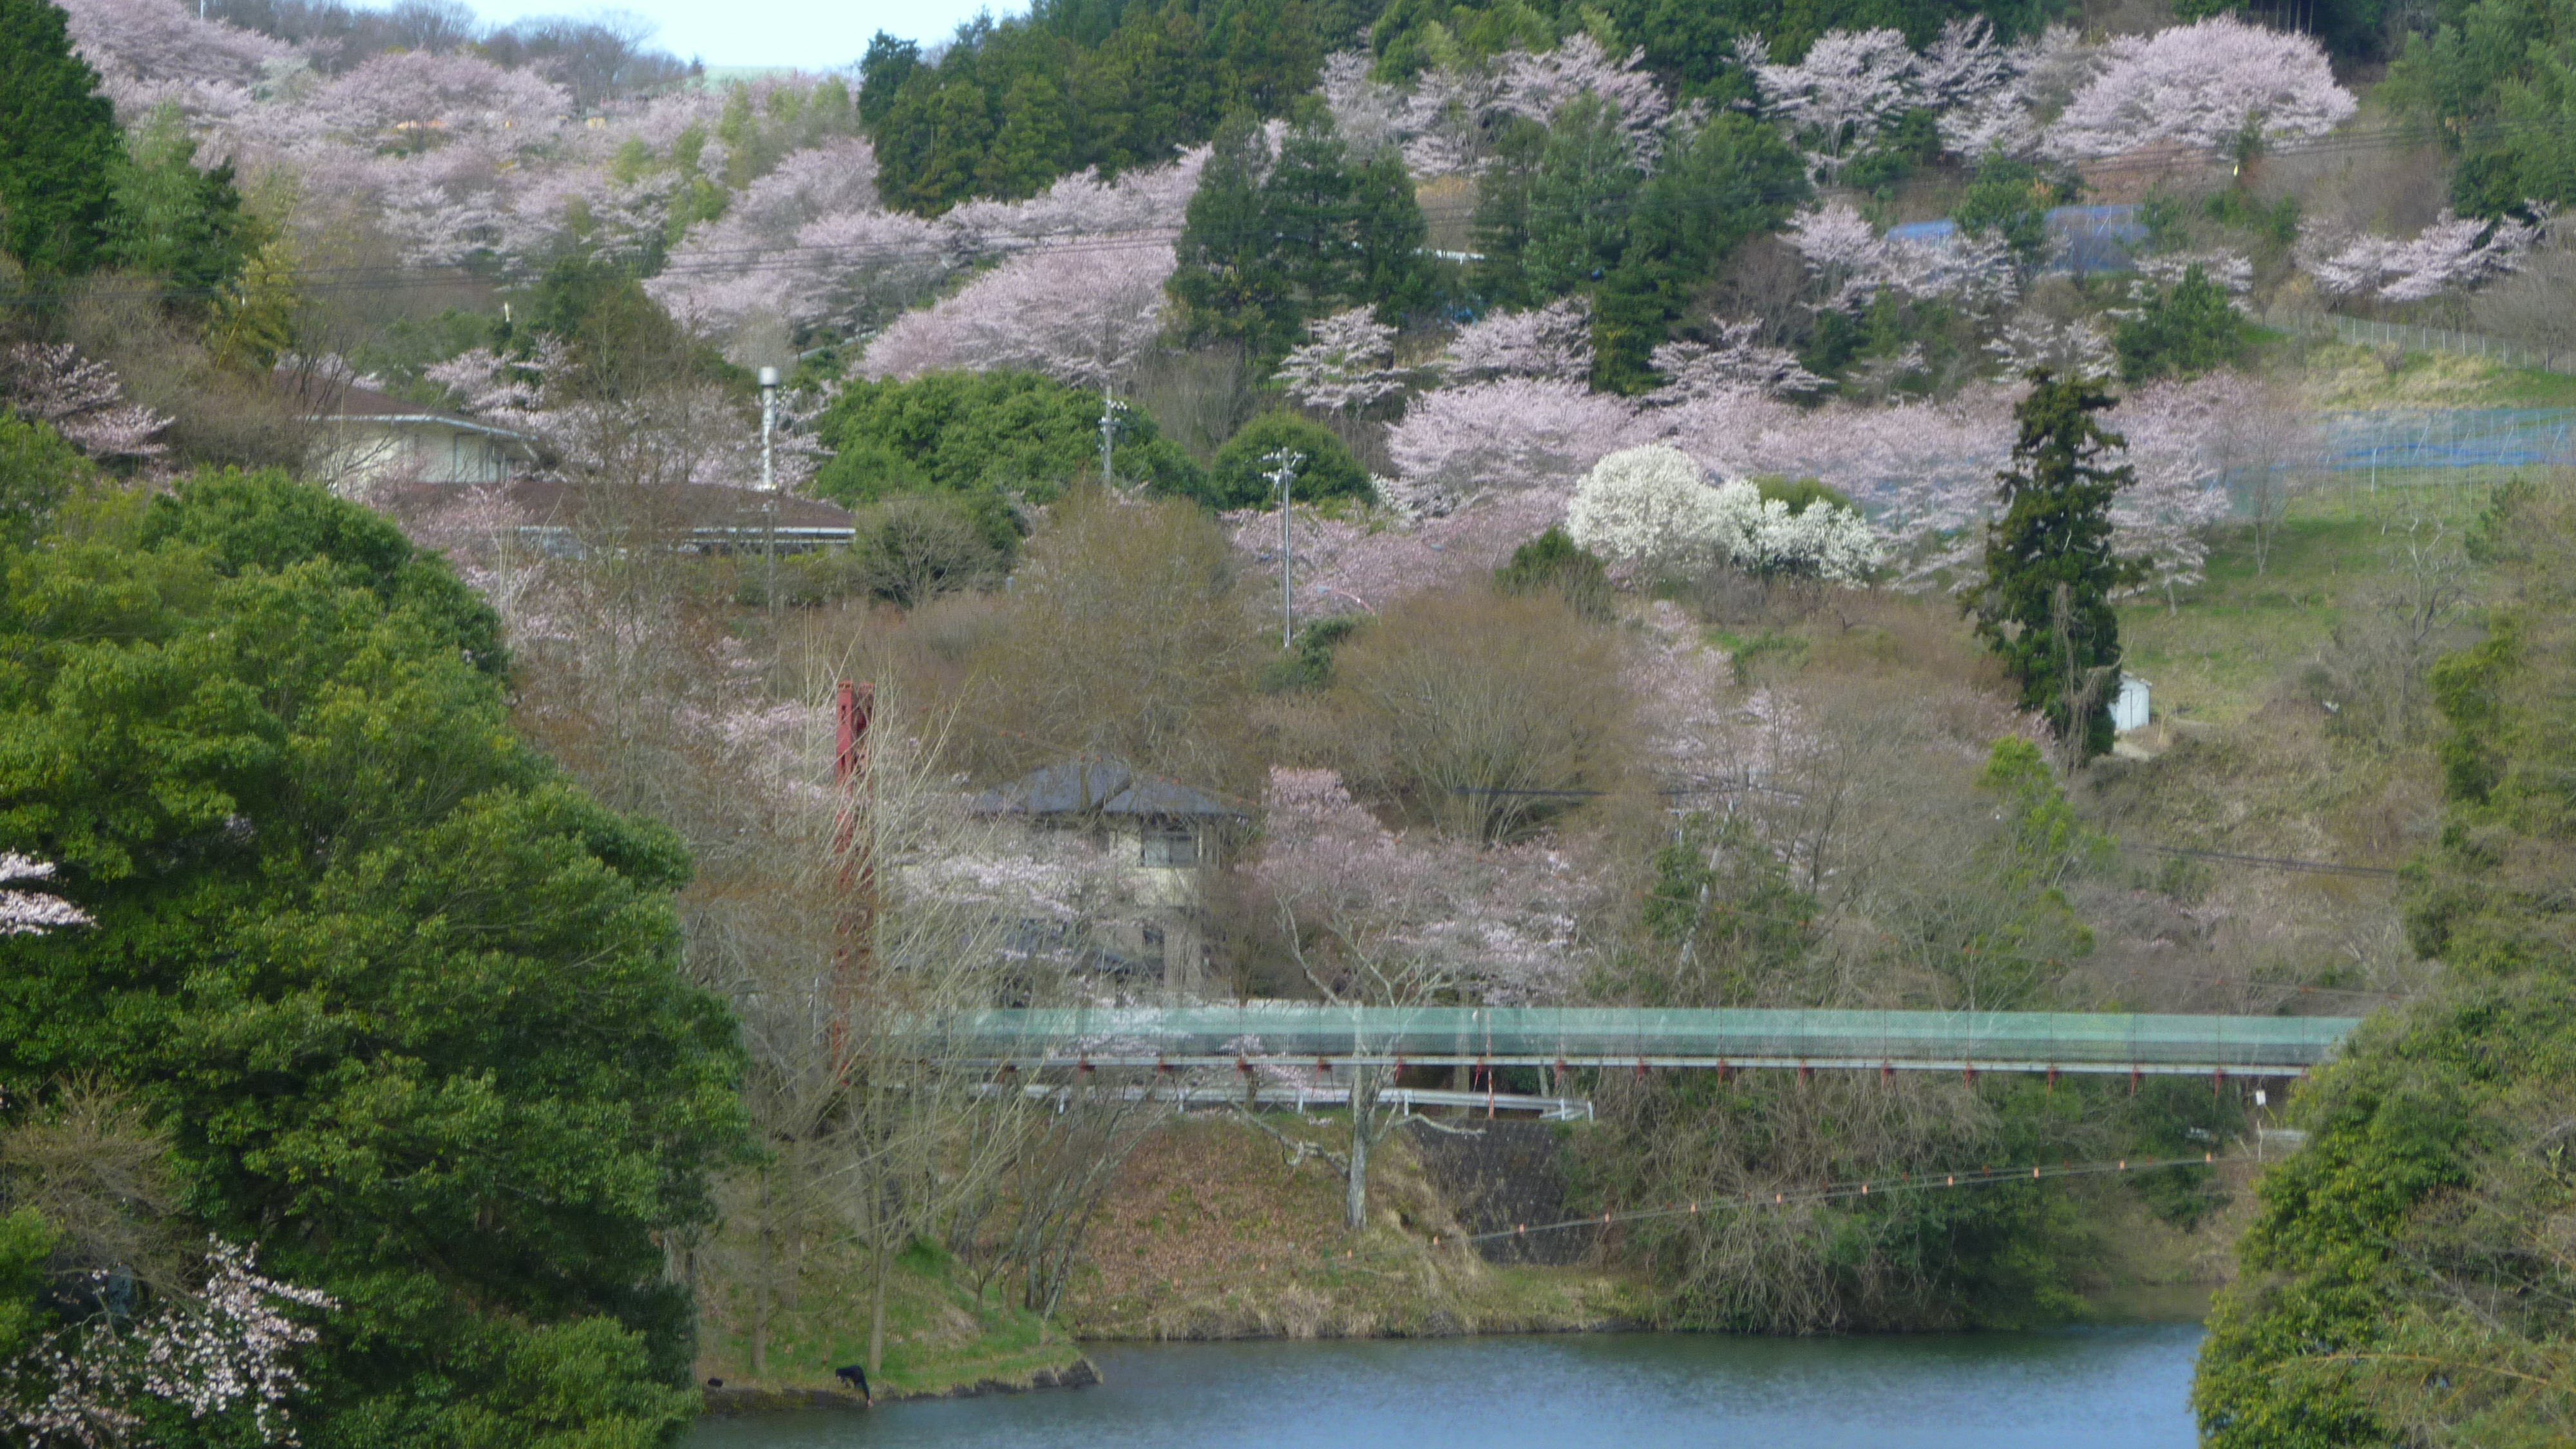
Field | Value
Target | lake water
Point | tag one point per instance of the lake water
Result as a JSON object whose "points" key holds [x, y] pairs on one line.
{"points": [[2112, 1387]]}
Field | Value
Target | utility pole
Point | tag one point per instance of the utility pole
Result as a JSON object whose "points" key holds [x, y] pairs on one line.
{"points": [[769, 481], [1282, 475], [1110, 408]]}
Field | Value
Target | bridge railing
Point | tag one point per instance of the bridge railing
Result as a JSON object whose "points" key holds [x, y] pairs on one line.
{"points": [[1598, 1036]]}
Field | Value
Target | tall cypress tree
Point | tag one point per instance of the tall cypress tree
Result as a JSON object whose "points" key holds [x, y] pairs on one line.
{"points": [[2056, 530], [1390, 235], [1306, 205], [59, 146], [1224, 279]]}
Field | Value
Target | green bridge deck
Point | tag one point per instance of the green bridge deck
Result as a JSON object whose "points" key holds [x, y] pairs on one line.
{"points": [[2004, 1041]]}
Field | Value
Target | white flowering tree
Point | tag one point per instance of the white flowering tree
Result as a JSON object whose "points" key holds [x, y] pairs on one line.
{"points": [[1652, 510], [1648, 510], [25, 911], [2219, 84]]}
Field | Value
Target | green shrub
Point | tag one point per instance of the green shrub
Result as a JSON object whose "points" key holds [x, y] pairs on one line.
{"points": [[2187, 328], [1799, 493], [1554, 561], [1308, 666], [1238, 478]]}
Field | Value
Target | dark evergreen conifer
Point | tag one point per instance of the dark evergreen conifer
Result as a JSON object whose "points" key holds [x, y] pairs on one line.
{"points": [[59, 146], [2055, 529], [1224, 270]]}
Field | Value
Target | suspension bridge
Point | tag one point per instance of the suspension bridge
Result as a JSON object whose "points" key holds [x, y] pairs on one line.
{"points": [[1267, 1035]]}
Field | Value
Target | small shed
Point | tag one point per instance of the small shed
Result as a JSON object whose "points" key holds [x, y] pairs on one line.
{"points": [[2129, 708]]}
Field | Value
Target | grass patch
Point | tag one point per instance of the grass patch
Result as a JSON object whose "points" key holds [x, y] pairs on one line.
{"points": [[2341, 376], [2236, 636]]}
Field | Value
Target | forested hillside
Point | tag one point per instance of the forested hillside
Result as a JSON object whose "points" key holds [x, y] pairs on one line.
{"points": [[563, 619]]}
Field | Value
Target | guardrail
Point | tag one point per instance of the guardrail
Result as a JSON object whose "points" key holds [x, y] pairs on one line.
{"points": [[1268, 1033]]}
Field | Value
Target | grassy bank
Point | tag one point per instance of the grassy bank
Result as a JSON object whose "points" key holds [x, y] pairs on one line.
{"points": [[941, 1336], [1213, 1232]]}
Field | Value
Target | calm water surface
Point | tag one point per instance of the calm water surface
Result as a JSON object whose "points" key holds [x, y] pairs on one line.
{"points": [[2118, 1387]]}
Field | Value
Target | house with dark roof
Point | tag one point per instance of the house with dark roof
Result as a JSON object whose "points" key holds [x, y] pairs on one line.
{"points": [[1160, 837]]}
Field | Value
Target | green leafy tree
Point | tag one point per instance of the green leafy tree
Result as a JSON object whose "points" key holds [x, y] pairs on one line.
{"points": [[1731, 180], [38, 471], [1394, 269], [1238, 476], [984, 439], [1579, 199], [2010, 199], [1272, 243], [2402, 1283], [408, 1004], [59, 147], [2055, 533], [174, 221], [888, 63], [2187, 328], [1306, 215], [1501, 227]]}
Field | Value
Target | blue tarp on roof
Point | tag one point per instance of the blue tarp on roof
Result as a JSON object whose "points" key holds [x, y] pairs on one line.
{"points": [[2086, 239]]}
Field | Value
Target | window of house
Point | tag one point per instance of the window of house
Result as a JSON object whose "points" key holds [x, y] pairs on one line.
{"points": [[1171, 845]]}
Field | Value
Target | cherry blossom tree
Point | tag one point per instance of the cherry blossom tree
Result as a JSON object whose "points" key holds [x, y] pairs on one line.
{"points": [[26, 912], [1080, 313], [2074, 348], [414, 100], [1346, 364], [1737, 363], [1552, 343], [2176, 435], [2219, 83], [1847, 89], [82, 400], [1538, 86], [1456, 444], [1502, 923], [2454, 254], [230, 1345], [1852, 265], [150, 53]]}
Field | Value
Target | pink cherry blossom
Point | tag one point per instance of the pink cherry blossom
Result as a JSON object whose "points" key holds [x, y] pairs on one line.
{"points": [[1551, 343], [1346, 363], [2454, 254], [82, 400], [2216, 83], [1457, 444]]}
